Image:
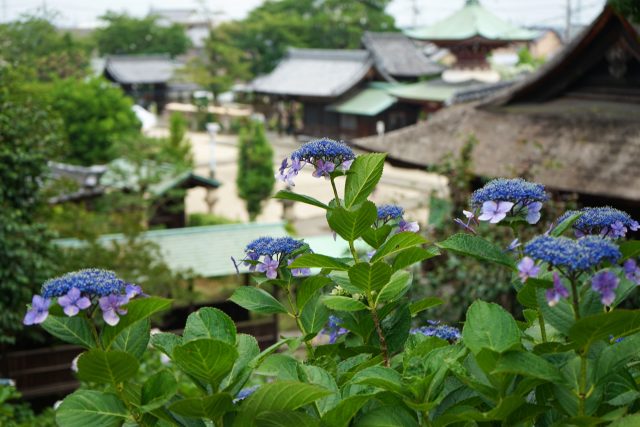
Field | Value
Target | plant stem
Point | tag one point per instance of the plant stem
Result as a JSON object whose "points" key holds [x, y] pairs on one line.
{"points": [[383, 342], [575, 300], [296, 315], [582, 384], [335, 191], [543, 328]]}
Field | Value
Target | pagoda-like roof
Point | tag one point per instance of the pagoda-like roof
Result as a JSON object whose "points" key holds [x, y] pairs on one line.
{"points": [[472, 21]]}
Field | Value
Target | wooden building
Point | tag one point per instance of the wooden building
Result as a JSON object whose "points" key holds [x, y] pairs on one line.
{"points": [[574, 125]]}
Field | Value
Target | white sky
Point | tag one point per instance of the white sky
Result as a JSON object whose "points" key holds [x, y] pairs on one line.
{"points": [[84, 13]]}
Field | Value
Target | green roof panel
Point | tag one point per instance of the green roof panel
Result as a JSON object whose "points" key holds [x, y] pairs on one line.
{"points": [[370, 101], [425, 91], [472, 20]]}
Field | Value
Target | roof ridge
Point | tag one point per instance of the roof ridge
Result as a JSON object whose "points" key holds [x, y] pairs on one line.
{"points": [[340, 54]]}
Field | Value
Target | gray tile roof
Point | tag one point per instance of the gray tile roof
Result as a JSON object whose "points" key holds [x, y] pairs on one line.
{"points": [[139, 69], [396, 55], [322, 73]]}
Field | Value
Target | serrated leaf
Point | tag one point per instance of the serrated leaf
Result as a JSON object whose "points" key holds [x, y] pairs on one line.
{"points": [[286, 419], [528, 365], [309, 288], [387, 416], [258, 300], [410, 256], [397, 243], [314, 316], [158, 389], [137, 309], [290, 195], [559, 229], [377, 236], [91, 408], [477, 247], [615, 323], [340, 303], [424, 304], [209, 322], [341, 414], [107, 367], [166, 342], [318, 261], [489, 326], [369, 277], [384, 378], [352, 224], [73, 330], [363, 176], [398, 285], [134, 339], [206, 359], [212, 407]]}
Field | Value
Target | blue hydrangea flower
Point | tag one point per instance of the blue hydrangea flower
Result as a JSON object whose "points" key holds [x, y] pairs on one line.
{"points": [[502, 196], [605, 283], [333, 329], [92, 281], [574, 255], [436, 329], [606, 221], [38, 312], [326, 155], [266, 254], [388, 213], [632, 271], [244, 393], [558, 291]]}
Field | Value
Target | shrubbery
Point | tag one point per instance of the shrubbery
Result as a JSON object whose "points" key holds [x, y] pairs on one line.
{"points": [[571, 361]]}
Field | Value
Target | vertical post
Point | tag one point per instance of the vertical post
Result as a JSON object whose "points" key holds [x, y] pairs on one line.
{"points": [[567, 30], [212, 129]]}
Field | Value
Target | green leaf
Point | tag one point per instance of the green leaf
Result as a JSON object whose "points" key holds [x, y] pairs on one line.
{"points": [[258, 300], [397, 243], [107, 367], [351, 225], [343, 412], [321, 377], [363, 176], [289, 195], [559, 316], [615, 356], [477, 247], [528, 365], [387, 416], [309, 288], [565, 225], [206, 359], [314, 316], [318, 261], [369, 277], [377, 236], [248, 349], [384, 378], [134, 339], [91, 408], [629, 249], [209, 322], [73, 330], [157, 390], [628, 421], [410, 256], [212, 407], [339, 303], [166, 342], [490, 326], [137, 309], [278, 396], [398, 285], [616, 323], [424, 304], [286, 419]]}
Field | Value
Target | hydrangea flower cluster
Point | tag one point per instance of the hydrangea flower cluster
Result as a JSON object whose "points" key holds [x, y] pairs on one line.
{"points": [[266, 254], [333, 329], [390, 213], [605, 221], [436, 329], [573, 255], [326, 155], [78, 291], [502, 197]]}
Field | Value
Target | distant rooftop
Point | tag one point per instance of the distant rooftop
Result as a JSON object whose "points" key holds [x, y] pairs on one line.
{"points": [[323, 73], [396, 55], [140, 69], [370, 101], [473, 20]]}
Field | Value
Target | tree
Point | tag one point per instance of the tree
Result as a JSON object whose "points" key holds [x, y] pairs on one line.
{"points": [[628, 8], [96, 115], [29, 136], [126, 35], [255, 178], [41, 51]]}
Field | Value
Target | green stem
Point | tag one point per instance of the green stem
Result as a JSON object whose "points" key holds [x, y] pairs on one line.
{"points": [[543, 328], [335, 191], [383, 342], [575, 300], [582, 394], [296, 315]]}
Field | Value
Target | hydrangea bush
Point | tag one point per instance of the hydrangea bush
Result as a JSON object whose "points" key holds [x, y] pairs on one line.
{"points": [[570, 359]]}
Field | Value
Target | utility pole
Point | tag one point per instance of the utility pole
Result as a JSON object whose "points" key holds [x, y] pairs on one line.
{"points": [[567, 31]]}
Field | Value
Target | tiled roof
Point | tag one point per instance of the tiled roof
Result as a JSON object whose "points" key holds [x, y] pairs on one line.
{"points": [[396, 55], [139, 69], [370, 101]]}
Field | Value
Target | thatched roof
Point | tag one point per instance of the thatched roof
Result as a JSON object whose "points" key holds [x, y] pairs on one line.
{"points": [[574, 125]]}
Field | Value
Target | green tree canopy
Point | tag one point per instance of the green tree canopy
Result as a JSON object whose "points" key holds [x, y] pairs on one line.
{"points": [[255, 178], [125, 35], [41, 51]]}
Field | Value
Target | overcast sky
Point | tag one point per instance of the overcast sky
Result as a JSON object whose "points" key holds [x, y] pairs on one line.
{"points": [[84, 13]]}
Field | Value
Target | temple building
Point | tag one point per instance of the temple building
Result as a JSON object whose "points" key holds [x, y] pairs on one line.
{"points": [[574, 125], [470, 34]]}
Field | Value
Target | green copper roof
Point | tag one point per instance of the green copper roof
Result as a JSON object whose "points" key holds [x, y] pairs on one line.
{"points": [[370, 101], [471, 21], [424, 91]]}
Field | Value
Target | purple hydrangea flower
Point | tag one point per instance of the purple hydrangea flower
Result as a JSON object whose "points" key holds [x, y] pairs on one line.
{"points": [[533, 212], [605, 283], [412, 227], [111, 306], [132, 291], [515, 243], [494, 212], [323, 168], [324, 154], [299, 272], [618, 229], [333, 329], [251, 256], [605, 221], [526, 198], [269, 266], [73, 302], [558, 291], [244, 393], [38, 312], [347, 165], [632, 271], [467, 225], [527, 268]]}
